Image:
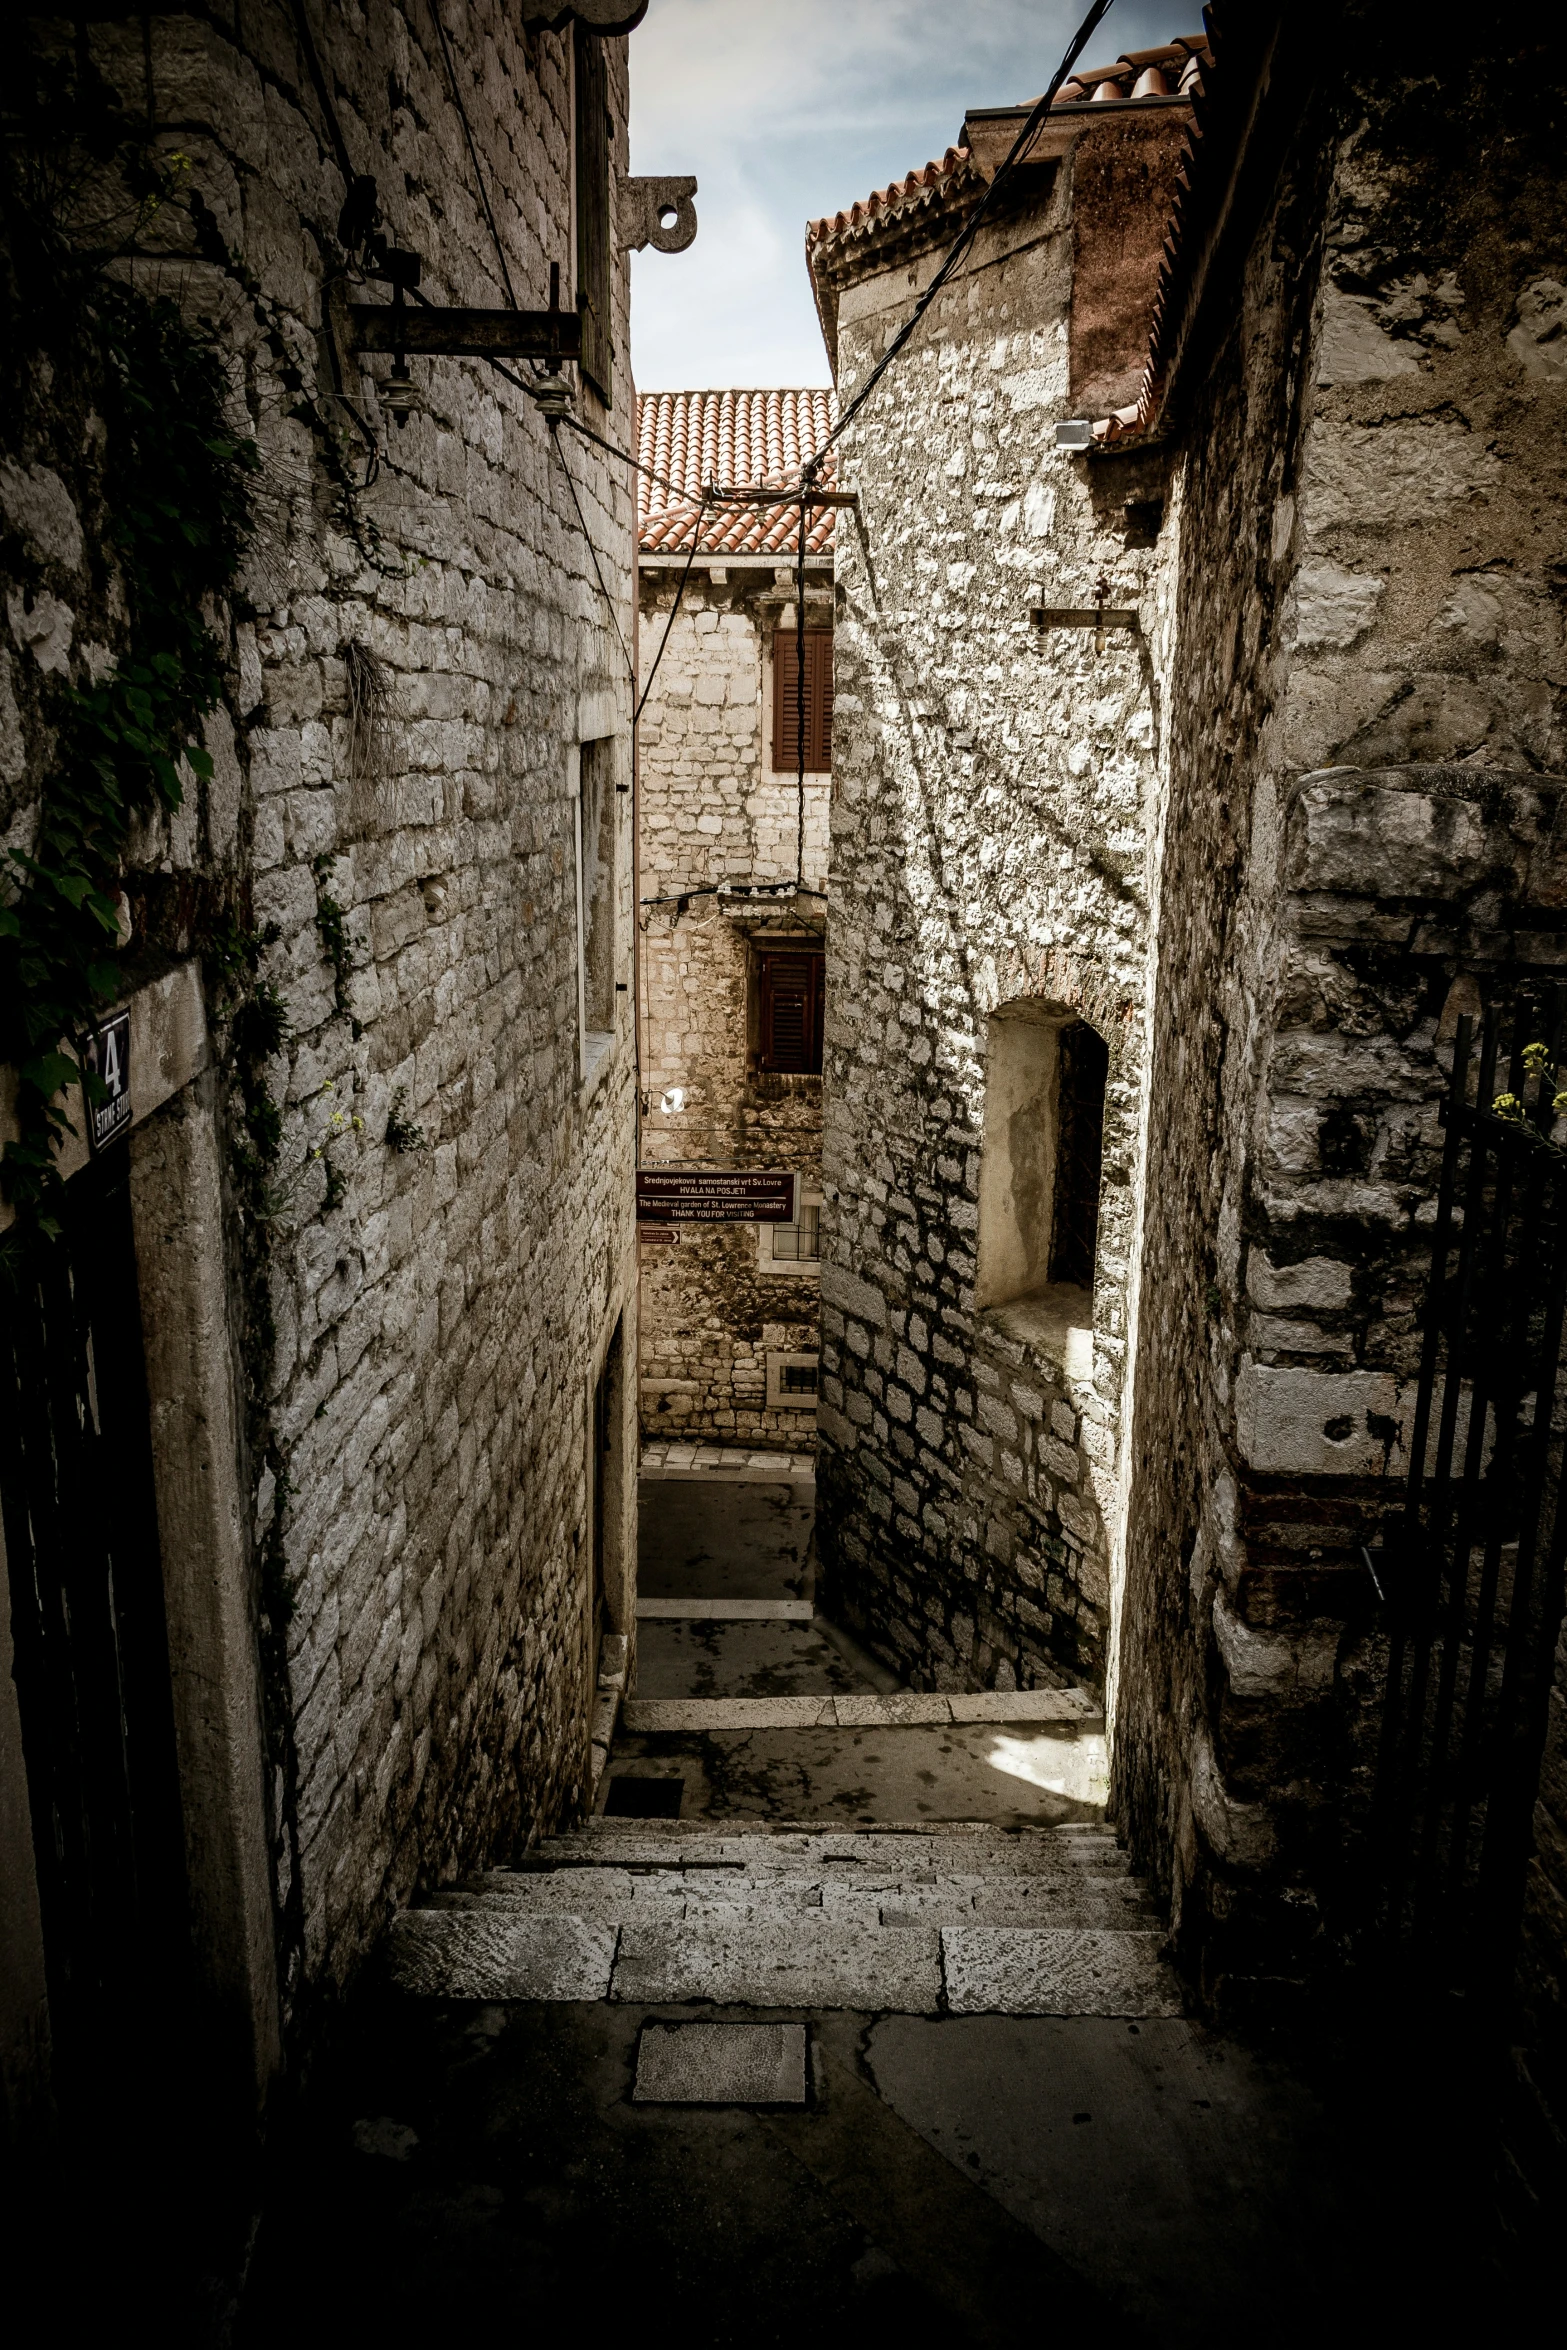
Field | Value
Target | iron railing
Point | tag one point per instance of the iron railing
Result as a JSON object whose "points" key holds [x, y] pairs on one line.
{"points": [[1474, 1573]]}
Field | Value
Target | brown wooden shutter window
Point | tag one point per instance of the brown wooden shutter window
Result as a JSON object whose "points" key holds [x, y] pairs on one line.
{"points": [[790, 996], [818, 701]]}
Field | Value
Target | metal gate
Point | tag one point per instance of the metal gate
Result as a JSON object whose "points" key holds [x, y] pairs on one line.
{"points": [[1475, 1571], [91, 1654]]}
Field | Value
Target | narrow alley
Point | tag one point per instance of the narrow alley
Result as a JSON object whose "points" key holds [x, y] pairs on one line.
{"points": [[854, 2025], [783, 1171]]}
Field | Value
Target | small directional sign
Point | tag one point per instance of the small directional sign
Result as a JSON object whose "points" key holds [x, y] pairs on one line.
{"points": [[714, 1195], [108, 1054]]}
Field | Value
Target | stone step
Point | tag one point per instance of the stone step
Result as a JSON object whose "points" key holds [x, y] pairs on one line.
{"points": [[953, 1848], [799, 1962], [905, 1708], [866, 1897]]}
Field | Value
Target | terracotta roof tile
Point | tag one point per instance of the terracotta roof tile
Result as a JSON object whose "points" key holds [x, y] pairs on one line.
{"points": [[1173, 71], [736, 439]]}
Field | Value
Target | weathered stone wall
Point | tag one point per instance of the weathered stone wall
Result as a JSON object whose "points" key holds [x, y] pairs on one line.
{"points": [[712, 812], [419, 1430], [1370, 502], [993, 788]]}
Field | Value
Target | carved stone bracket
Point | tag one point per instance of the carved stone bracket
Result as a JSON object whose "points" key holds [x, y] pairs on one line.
{"points": [[640, 205]]}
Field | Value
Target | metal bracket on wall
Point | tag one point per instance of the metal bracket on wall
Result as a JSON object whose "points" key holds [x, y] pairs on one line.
{"points": [[1099, 617], [464, 334]]}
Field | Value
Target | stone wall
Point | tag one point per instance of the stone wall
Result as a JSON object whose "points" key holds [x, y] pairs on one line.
{"points": [[1365, 680], [714, 816], [414, 1469], [994, 786]]}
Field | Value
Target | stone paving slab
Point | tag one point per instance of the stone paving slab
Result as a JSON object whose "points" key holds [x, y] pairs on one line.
{"points": [[868, 1711], [1001, 1970], [720, 2064], [799, 1964], [724, 1611], [481, 1954], [725, 1462], [1025, 1705]]}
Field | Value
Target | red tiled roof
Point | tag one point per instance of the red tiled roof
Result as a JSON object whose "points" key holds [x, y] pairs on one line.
{"points": [[920, 192], [1173, 71], [736, 440]]}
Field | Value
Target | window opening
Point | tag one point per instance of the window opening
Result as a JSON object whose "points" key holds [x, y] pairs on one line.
{"points": [[593, 131], [818, 700], [790, 1003], [596, 862], [1041, 1166], [1083, 1065], [801, 1243], [791, 1381]]}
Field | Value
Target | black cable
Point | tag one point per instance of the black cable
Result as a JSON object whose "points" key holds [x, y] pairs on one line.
{"points": [[313, 67], [674, 612], [473, 152], [966, 235], [593, 556]]}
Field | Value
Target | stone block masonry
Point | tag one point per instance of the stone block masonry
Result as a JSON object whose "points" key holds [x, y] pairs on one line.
{"points": [[415, 661], [716, 820], [1365, 741], [994, 794]]}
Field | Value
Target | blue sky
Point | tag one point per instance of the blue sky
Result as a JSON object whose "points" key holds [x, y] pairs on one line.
{"points": [[785, 109]]}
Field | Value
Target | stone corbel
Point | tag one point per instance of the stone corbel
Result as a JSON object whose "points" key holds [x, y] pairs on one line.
{"points": [[608, 17], [640, 207]]}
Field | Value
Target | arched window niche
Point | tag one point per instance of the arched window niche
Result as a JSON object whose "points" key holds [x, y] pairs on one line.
{"points": [[1039, 1177]]}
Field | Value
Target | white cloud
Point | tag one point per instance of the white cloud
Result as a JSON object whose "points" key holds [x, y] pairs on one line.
{"points": [[785, 109]]}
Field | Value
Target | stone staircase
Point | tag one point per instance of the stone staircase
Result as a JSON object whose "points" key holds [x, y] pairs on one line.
{"points": [[958, 1920]]}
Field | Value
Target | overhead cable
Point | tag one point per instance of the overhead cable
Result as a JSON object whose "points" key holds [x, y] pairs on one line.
{"points": [[473, 152], [966, 235]]}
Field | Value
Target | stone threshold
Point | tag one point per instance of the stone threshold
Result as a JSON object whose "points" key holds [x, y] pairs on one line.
{"points": [[647, 1716], [724, 1611]]}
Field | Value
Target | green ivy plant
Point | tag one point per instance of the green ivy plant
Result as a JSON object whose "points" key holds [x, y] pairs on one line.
{"points": [[177, 488]]}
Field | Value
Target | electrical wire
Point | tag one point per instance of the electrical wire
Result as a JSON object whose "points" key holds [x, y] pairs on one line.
{"points": [[967, 234], [307, 43], [473, 152], [674, 610]]}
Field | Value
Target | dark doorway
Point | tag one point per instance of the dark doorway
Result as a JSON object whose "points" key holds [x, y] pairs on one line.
{"points": [[92, 1664]]}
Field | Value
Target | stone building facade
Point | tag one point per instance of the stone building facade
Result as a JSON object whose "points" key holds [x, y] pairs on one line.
{"points": [[732, 881], [996, 797], [384, 1256], [1271, 846]]}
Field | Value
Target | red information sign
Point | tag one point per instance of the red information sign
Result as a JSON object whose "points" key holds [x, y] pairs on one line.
{"points": [[714, 1195]]}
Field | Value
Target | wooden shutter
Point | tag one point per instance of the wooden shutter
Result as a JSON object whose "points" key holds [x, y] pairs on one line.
{"points": [[818, 701], [593, 237], [790, 987]]}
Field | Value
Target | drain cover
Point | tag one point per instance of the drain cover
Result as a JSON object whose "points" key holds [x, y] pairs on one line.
{"points": [[721, 2064]]}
